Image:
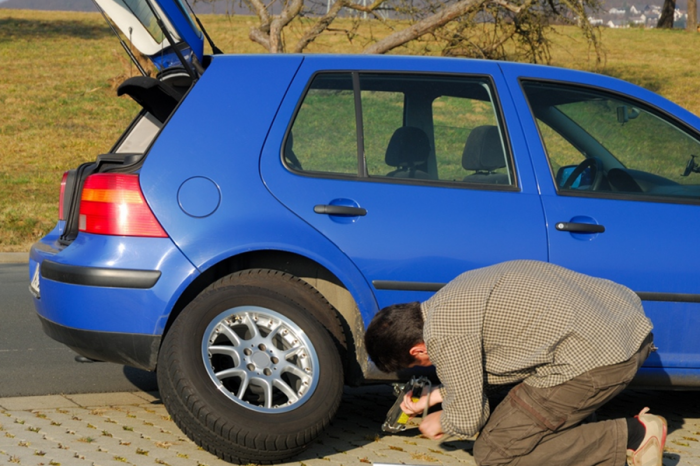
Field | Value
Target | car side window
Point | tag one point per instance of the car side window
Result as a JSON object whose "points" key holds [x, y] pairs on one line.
{"points": [[605, 143], [463, 126], [382, 113], [413, 127], [324, 137]]}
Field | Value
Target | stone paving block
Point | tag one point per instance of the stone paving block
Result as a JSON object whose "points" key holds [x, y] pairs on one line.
{"points": [[106, 399], [141, 433], [150, 397], [35, 402]]}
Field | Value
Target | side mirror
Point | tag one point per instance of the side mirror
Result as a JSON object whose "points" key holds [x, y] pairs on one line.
{"points": [[582, 180]]}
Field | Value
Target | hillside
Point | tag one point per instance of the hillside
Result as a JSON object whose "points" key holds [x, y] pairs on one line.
{"points": [[223, 6], [60, 107]]}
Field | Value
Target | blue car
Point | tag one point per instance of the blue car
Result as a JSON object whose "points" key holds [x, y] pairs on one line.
{"points": [[259, 210]]}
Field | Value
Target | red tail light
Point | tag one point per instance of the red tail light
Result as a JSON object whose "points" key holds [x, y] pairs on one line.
{"points": [[62, 196], [113, 204]]}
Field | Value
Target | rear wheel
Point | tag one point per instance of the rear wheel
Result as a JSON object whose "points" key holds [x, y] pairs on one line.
{"points": [[247, 372]]}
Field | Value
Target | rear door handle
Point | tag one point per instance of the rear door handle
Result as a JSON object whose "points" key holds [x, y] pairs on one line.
{"points": [[580, 227], [341, 210]]}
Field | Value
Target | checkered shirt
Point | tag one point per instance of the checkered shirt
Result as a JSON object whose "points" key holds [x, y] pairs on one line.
{"points": [[524, 321]]}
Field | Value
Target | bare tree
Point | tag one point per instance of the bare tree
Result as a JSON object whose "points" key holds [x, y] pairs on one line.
{"points": [[666, 18], [475, 28]]}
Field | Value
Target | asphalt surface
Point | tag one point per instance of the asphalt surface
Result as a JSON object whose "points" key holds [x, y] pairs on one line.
{"points": [[31, 363]]}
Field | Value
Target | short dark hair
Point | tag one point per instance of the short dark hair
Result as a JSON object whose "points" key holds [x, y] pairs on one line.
{"points": [[392, 333]]}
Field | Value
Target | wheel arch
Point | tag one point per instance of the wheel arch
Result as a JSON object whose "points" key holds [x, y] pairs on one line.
{"points": [[346, 326]]}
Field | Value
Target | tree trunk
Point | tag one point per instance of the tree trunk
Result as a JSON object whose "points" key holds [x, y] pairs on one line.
{"points": [[666, 19], [692, 24]]}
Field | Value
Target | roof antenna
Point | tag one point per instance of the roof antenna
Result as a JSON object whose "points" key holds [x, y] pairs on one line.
{"points": [[215, 50], [121, 41]]}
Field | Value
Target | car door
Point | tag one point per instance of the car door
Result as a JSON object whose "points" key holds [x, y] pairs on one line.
{"points": [[615, 168], [375, 160]]}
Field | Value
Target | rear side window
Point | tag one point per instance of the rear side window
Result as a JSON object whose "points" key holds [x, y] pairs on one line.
{"points": [[324, 138], [454, 120], [408, 127]]}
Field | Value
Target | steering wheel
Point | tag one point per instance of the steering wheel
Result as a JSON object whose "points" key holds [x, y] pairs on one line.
{"points": [[596, 167]]}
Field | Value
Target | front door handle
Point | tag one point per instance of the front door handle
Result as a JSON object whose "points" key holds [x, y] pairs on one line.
{"points": [[574, 227], [341, 210]]}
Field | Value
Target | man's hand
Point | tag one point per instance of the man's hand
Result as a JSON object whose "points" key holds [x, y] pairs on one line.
{"points": [[413, 408], [431, 427]]}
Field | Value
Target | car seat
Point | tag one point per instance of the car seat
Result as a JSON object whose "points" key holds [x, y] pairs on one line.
{"points": [[483, 153], [408, 149]]}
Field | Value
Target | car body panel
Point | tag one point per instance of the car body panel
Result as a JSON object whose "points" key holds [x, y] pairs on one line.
{"points": [[412, 233], [231, 130], [646, 246], [114, 309]]}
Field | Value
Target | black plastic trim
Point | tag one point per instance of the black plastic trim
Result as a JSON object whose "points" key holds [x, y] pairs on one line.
{"points": [[406, 286], [430, 286], [580, 227], [131, 349], [344, 211], [97, 276], [670, 297]]}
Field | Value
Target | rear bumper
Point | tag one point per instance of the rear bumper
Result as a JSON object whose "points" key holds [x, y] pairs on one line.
{"points": [[109, 298], [122, 348]]}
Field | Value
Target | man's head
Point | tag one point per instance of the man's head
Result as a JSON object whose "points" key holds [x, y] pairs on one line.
{"points": [[394, 338]]}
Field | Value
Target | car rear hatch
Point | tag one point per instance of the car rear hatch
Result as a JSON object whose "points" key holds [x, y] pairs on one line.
{"points": [[162, 30], [165, 33]]}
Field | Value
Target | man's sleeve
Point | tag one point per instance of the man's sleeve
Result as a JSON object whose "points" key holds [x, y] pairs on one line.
{"points": [[458, 361]]}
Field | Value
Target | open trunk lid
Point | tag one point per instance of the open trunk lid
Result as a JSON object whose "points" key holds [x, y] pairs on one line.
{"points": [[162, 30]]}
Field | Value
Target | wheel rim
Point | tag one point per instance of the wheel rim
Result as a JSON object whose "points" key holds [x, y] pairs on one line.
{"points": [[260, 359]]}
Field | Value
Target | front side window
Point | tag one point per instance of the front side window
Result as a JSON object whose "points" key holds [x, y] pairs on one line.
{"points": [[604, 143], [409, 127]]}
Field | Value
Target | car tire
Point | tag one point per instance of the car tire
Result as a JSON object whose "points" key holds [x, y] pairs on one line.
{"points": [[220, 340]]}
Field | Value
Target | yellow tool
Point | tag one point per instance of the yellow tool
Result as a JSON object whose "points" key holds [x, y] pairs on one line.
{"points": [[396, 419]]}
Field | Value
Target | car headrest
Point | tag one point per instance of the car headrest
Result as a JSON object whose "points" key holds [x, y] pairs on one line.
{"points": [[409, 146], [483, 150]]}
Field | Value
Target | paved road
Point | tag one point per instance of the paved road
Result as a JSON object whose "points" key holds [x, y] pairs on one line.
{"points": [[33, 364], [134, 428]]}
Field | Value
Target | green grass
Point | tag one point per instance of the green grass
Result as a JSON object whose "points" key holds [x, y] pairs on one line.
{"points": [[59, 106]]}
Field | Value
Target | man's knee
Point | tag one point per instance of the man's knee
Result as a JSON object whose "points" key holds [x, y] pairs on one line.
{"points": [[509, 434], [486, 455]]}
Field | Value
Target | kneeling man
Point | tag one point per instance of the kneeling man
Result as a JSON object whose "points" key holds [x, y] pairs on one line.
{"points": [[569, 341]]}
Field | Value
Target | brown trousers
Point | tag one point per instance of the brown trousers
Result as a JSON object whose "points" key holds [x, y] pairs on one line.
{"points": [[542, 426]]}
